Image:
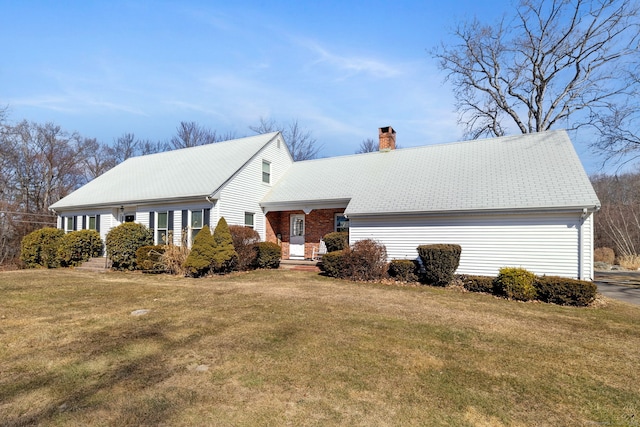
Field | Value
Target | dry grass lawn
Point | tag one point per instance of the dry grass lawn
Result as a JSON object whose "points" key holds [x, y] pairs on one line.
{"points": [[294, 348]]}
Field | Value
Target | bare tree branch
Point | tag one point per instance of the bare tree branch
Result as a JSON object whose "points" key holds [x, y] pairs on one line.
{"points": [[554, 61], [301, 143]]}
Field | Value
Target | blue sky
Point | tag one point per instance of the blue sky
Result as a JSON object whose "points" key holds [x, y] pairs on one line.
{"points": [[341, 68]]}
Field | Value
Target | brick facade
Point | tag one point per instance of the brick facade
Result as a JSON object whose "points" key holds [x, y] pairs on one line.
{"points": [[317, 224]]}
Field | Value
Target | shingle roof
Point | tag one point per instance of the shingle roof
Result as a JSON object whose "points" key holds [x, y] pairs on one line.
{"points": [[189, 172], [524, 172]]}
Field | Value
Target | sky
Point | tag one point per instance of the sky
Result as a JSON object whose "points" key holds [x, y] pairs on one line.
{"points": [[342, 69]]}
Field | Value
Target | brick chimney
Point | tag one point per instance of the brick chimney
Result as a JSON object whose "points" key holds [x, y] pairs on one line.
{"points": [[387, 137]]}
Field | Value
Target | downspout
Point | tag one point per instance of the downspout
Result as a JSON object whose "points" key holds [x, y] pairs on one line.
{"points": [[583, 217]]}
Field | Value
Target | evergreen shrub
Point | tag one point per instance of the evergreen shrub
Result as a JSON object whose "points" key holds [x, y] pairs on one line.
{"points": [[404, 270], [332, 263], [225, 257], [336, 241], [478, 283], [268, 255], [79, 246], [244, 239], [515, 283], [565, 291], [40, 248], [123, 241], [198, 262], [440, 262]]}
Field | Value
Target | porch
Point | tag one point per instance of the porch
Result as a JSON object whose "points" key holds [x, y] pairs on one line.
{"points": [[299, 233]]}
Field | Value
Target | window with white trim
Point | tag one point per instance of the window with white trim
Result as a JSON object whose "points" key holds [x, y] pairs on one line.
{"points": [[341, 222], [196, 223], [266, 172], [68, 224], [162, 227], [92, 222], [249, 219]]}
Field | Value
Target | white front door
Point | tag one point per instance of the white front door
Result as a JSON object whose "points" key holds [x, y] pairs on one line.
{"points": [[296, 237]]}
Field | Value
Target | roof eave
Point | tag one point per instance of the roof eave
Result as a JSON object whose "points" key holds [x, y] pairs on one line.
{"points": [[535, 210]]}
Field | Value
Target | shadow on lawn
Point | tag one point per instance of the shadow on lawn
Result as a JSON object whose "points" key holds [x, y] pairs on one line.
{"points": [[78, 392]]}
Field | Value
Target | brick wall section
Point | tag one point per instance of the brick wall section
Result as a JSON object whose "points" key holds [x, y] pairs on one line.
{"points": [[317, 224]]}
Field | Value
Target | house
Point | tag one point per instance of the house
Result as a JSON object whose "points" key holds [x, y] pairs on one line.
{"points": [[513, 201]]}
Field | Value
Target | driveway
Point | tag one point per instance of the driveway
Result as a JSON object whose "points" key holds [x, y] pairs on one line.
{"points": [[621, 285]]}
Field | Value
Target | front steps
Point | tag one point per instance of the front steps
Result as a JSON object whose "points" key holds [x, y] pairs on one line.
{"points": [[99, 264], [299, 265]]}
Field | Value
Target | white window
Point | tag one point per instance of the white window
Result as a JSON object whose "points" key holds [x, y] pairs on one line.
{"points": [[248, 219], [341, 222], [196, 223], [92, 222], [266, 172], [162, 219]]}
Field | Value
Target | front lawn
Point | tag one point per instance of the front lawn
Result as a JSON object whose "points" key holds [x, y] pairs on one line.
{"points": [[294, 348]]}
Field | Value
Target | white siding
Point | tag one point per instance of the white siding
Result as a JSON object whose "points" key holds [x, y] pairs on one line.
{"points": [[245, 191], [544, 244]]}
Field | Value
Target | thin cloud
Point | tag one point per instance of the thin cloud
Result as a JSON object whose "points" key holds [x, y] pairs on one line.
{"points": [[352, 65]]}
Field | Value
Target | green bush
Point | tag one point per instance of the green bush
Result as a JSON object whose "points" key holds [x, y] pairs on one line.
{"points": [[404, 270], [365, 261], [40, 248], [268, 255], [478, 283], [439, 262], [332, 263], [336, 241], [78, 246], [149, 258], [515, 283], [225, 257], [564, 291], [123, 241], [244, 239], [198, 262]]}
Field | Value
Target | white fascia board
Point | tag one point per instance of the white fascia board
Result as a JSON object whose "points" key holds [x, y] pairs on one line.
{"points": [[476, 212]]}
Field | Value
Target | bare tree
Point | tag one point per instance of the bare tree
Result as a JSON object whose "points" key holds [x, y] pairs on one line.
{"points": [[554, 62], [368, 146], [191, 134], [301, 143]]}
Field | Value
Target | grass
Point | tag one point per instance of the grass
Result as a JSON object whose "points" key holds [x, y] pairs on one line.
{"points": [[294, 348]]}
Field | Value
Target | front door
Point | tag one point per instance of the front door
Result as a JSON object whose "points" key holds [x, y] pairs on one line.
{"points": [[296, 237]]}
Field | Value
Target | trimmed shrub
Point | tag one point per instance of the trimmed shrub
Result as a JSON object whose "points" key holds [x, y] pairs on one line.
{"points": [[123, 241], [332, 263], [404, 270], [365, 261], [564, 291], [515, 283], [148, 258], [336, 241], [198, 263], [439, 262], [268, 255], [244, 238], [478, 283], [40, 248], [78, 246], [604, 255], [225, 257]]}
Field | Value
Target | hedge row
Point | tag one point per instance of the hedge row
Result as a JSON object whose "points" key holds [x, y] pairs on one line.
{"points": [[520, 284], [51, 248]]}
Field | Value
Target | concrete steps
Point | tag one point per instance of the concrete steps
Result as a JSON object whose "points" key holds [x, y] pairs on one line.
{"points": [[99, 264], [300, 265]]}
